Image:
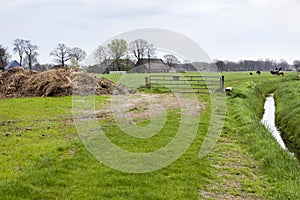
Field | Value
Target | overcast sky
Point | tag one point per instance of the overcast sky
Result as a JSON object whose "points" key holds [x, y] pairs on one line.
{"points": [[225, 29]]}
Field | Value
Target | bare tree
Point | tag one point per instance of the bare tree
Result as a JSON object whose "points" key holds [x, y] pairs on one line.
{"points": [[141, 48], [297, 65], [19, 48], [4, 56], [117, 49], [31, 53], [171, 60], [283, 64], [78, 54], [220, 65], [101, 54], [150, 51], [62, 54]]}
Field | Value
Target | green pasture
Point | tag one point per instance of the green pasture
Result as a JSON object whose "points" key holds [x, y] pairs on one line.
{"points": [[42, 156]]}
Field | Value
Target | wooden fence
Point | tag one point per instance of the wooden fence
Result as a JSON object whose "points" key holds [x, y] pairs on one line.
{"points": [[185, 84]]}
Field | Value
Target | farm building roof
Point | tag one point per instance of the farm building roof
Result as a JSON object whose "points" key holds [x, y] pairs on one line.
{"points": [[12, 64]]}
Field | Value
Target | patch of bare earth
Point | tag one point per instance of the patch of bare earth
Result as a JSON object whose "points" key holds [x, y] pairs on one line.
{"points": [[236, 173], [141, 106]]}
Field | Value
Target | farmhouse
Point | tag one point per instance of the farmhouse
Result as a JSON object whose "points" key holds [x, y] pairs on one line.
{"points": [[186, 67], [111, 65], [12, 64], [150, 66], [97, 69]]}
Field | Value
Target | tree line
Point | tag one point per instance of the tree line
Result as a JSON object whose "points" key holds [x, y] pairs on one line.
{"points": [[119, 50], [116, 50], [259, 65], [28, 54]]}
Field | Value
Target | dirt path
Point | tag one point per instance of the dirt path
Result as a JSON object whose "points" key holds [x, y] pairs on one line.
{"points": [[237, 173]]}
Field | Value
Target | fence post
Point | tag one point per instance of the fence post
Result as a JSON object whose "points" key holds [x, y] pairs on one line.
{"points": [[222, 84], [147, 83]]}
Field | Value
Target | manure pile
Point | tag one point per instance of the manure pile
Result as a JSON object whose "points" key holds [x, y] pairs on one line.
{"points": [[18, 82]]}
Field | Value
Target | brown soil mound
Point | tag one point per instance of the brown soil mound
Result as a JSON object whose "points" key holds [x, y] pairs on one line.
{"points": [[18, 82]]}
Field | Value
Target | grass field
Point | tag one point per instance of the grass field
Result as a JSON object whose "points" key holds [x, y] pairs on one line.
{"points": [[42, 156]]}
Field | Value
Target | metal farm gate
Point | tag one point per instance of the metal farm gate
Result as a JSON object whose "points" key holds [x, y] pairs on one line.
{"points": [[185, 84]]}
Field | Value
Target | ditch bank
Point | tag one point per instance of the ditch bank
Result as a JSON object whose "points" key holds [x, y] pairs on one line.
{"points": [[287, 98], [280, 168]]}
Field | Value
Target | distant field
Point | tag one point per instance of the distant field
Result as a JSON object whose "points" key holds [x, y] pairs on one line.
{"points": [[42, 157], [229, 76]]}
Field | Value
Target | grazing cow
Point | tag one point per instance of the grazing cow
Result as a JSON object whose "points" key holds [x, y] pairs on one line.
{"points": [[228, 89], [277, 72], [258, 72], [251, 73]]}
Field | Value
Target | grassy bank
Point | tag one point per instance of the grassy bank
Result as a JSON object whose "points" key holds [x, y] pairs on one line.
{"points": [[287, 98], [245, 109]]}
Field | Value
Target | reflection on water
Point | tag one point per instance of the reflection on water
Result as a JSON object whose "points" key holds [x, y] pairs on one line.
{"points": [[269, 119]]}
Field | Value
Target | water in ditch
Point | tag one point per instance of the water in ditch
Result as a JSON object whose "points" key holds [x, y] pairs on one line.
{"points": [[269, 119]]}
